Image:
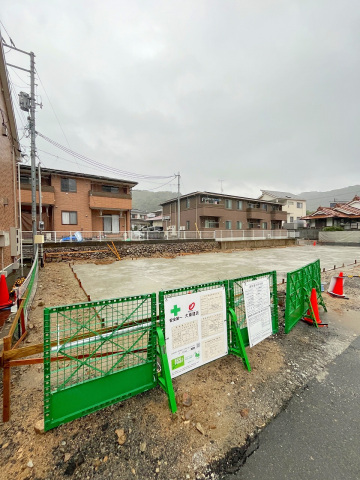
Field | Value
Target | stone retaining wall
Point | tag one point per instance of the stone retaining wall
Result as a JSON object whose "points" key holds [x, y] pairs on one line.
{"points": [[100, 250]]}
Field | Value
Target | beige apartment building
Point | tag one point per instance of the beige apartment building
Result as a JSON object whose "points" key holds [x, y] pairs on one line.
{"points": [[205, 211], [294, 205], [9, 156], [78, 202]]}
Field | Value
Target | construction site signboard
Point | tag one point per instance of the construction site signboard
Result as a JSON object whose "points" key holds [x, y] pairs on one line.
{"points": [[258, 309], [195, 329]]}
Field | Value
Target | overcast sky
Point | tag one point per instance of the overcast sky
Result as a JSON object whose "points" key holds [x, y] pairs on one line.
{"points": [[246, 94]]}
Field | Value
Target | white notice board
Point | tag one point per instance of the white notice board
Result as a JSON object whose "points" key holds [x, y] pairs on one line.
{"points": [[258, 309], [195, 329]]}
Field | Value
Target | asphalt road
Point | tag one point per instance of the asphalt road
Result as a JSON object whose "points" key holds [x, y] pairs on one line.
{"points": [[317, 436]]}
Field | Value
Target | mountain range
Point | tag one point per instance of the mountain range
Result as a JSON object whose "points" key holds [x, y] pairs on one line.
{"points": [[148, 201], [316, 199]]}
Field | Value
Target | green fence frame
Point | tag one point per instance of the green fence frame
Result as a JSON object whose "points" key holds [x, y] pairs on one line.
{"points": [[99, 353], [299, 285], [96, 354], [237, 303]]}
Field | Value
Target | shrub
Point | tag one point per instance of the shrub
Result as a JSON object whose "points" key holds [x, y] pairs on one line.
{"points": [[333, 229]]}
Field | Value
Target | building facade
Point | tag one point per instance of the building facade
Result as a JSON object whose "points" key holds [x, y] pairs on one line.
{"points": [[9, 156], [78, 202], [205, 211], [343, 215], [292, 204]]}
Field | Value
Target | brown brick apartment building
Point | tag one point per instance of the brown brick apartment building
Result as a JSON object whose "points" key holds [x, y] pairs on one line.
{"points": [[205, 211], [9, 156], [78, 202]]}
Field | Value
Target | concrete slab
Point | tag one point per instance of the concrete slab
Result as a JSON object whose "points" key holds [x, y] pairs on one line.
{"points": [[147, 275]]}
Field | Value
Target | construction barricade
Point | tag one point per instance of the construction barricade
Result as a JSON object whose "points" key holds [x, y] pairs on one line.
{"points": [[298, 293], [237, 301], [96, 354]]}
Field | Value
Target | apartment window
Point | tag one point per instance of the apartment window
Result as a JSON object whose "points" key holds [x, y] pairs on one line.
{"points": [[27, 179], [291, 219], [228, 203], [299, 205], [239, 205], [187, 224], [110, 188], [188, 203], [264, 206], [68, 185], [211, 223], [228, 225], [264, 225], [69, 218], [239, 225]]}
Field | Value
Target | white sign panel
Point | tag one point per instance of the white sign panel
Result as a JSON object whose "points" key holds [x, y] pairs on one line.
{"points": [[258, 309], [195, 329]]}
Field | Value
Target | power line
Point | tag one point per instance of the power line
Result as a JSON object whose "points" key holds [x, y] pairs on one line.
{"points": [[26, 85], [94, 163], [11, 41], [51, 105], [163, 185]]}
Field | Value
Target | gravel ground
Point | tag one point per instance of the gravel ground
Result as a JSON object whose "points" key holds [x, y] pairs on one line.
{"points": [[139, 438]]}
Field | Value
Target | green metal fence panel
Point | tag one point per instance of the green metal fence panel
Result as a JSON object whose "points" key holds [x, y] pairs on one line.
{"points": [[299, 285], [237, 303], [96, 354]]}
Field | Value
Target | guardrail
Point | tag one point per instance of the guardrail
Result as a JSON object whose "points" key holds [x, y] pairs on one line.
{"points": [[73, 236]]}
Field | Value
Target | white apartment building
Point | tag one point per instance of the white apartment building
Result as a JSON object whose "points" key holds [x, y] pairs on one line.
{"points": [[292, 204]]}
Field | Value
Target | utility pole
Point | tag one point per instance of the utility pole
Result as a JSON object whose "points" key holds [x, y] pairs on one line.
{"points": [[41, 223], [178, 204], [33, 148], [28, 105]]}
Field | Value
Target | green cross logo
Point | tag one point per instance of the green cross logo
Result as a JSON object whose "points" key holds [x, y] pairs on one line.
{"points": [[175, 310]]}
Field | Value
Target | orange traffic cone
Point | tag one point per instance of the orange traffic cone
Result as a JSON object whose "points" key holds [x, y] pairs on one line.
{"points": [[336, 287], [308, 318], [314, 244], [5, 301]]}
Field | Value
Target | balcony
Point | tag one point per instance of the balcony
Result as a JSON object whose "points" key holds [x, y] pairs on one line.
{"points": [[109, 201], [47, 195], [278, 215], [257, 214]]}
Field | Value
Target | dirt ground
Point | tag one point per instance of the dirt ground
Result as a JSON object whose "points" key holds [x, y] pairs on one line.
{"points": [[206, 439]]}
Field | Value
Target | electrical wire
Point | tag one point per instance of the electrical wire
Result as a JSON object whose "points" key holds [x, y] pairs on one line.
{"points": [[163, 185], [96, 168], [7, 33], [94, 163], [52, 108], [26, 85]]}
